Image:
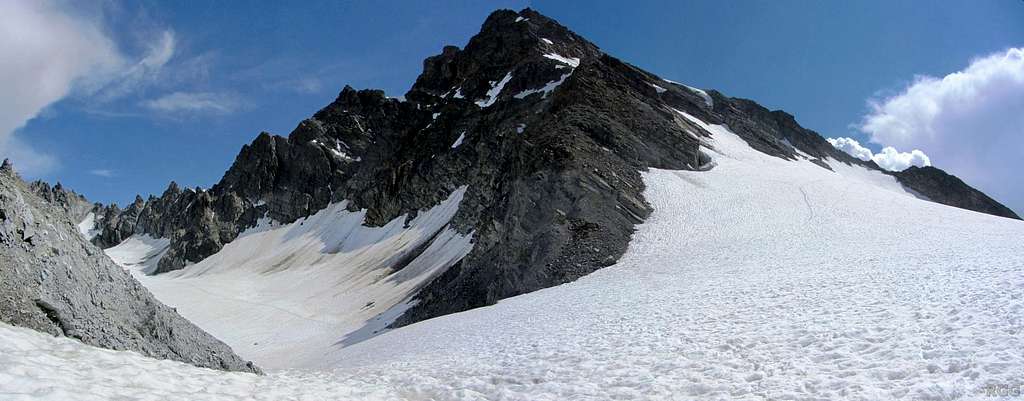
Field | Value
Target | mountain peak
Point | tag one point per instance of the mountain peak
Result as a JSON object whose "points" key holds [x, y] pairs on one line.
{"points": [[542, 134], [521, 50]]}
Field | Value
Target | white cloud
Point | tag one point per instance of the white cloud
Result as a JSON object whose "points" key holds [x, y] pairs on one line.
{"points": [[971, 122], [45, 52], [193, 103], [851, 147], [889, 158], [102, 172]]}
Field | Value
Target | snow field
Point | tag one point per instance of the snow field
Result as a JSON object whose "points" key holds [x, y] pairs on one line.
{"points": [[759, 279]]}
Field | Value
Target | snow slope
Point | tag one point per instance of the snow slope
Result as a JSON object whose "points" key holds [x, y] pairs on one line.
{"points": [[759, 279], [282, 295]]}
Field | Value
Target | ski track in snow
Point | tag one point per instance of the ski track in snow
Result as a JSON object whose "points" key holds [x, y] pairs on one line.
{"points": [[759, 279]]}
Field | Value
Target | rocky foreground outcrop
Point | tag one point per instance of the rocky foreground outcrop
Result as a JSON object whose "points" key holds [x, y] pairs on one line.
{"points": [[548, 132], [53, 280]]}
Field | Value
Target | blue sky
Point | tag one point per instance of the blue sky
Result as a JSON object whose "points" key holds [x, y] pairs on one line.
{"points": [[172, 90]]}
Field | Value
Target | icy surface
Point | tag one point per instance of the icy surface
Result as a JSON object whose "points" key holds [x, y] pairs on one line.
{"points": [[759, 279], [286, 295]]}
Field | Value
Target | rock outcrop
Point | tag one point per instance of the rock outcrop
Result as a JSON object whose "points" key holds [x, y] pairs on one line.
{"points": [[74, 204], [947, 189], [53, 280], [548, 133]]}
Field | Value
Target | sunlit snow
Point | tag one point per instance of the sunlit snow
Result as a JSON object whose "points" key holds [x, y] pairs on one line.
{"points": [[570, 61], [546, 89]]}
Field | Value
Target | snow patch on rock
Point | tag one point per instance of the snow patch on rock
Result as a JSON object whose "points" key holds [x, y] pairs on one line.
{"points": [[492, 94], [88, 226], [570, 61]]}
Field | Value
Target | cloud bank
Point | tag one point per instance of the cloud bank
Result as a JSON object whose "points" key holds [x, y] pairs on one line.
{"points": [[889, 158], [971, 122]]}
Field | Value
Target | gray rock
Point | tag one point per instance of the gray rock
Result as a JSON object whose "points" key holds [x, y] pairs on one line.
{"points": [[53, 280]]}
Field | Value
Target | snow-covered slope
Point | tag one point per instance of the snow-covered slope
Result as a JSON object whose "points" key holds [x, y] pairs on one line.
{"points": [[284, 295], [759, 279]]}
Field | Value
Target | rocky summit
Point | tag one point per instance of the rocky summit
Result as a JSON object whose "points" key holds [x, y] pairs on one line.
{"points": [[54, 281], [548, 134]]}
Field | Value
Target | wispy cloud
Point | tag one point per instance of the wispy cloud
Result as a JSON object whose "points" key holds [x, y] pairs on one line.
{"points": [[193, 103], [35, 34], [305, 85], [132, 77], [969, 122], [102, 172]]}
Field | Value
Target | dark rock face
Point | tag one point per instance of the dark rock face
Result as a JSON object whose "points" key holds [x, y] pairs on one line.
{"points": [[548, 133], [53, 280], [947, 189]]}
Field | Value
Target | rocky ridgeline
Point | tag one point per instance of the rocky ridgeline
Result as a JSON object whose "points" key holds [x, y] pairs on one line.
{"points": [[947, 189], [548, 132], [53, 280], [74, 204]]}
